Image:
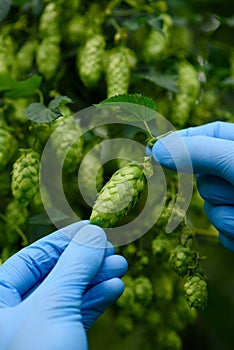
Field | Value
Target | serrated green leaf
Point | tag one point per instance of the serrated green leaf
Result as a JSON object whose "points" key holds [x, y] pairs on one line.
{"points": [[59, 101], [17, 89], [5, 6], [167, 81], [39, 113], [131, 107]]}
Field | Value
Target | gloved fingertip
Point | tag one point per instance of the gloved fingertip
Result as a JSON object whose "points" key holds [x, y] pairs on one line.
{"points": [[110, 250], [162, 155], [148, 151], [227, 242], [91, 236]]}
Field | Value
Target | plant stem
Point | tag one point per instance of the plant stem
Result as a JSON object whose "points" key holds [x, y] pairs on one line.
{"points": [[206, 233], [41, 97]]}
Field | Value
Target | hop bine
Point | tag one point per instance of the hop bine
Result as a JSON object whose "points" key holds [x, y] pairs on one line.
{"points": [[118, 196]]}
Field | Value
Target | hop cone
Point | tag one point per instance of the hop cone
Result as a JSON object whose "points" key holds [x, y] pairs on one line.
{"points": [[143, 289], [24, 57], [118, 196], [8, 147], [90, 165], [117, 73], [7, 54], [196, 292], [48, 57], [90, 60], [182, 259], [49, 21], [189, 88], [67, 143], [16, 216], [25, 177]]}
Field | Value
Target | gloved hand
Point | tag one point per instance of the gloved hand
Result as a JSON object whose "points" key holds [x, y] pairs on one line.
{"points": [[52, 291], [211, 150]]}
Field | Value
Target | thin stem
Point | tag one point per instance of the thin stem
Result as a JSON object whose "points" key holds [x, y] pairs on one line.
{"points": [[41, 97], [147, 128], [206, 233]]}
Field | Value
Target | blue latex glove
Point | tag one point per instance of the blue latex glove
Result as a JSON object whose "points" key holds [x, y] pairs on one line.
{"points": [[211, 150], [52, 291]]}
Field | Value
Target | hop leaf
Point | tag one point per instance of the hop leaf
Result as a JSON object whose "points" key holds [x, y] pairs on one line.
{"points": [[118, 196]]}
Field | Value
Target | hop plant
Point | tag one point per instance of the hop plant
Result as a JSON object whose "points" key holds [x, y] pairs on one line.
{"points": [[8, 146], [90, 165], [25, 177], [196, 292], [16, 112], [124, 324], [168, 339], [143, 289], [76, 30], [68, 143], [90, 60], [182, 260], [7, 54], [189, 88], [16, 216], [161, 248], [117, 73], [48, 57], [118, 196], [24, 57], [156, 46], [49, 21]]}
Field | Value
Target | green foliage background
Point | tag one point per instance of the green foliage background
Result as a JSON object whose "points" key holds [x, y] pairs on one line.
{"points": [[180, 54]]}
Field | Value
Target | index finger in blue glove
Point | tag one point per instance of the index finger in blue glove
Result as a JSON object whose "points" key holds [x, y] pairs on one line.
{"points": [[221, 130], [30, 265], [207, 154], [64, 287]]}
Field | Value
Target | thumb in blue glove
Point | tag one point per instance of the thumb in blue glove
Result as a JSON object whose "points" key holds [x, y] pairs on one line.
{"points": [[211, 153], [79, 280]]}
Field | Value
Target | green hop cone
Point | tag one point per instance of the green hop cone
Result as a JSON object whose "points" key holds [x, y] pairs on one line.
{"points": [[49, 20], [88, 184], [182, 260], [117, 73], [124, 324], [143, 290], [156, 45], [15, 114], [16, 216], [24, 58], [68, 143], [25, 177], [118, 196], [48, 57], [168, 339], [161, 247], [8, 146], [196, 292], [90, 60], [189, 89], [7, 54]]}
